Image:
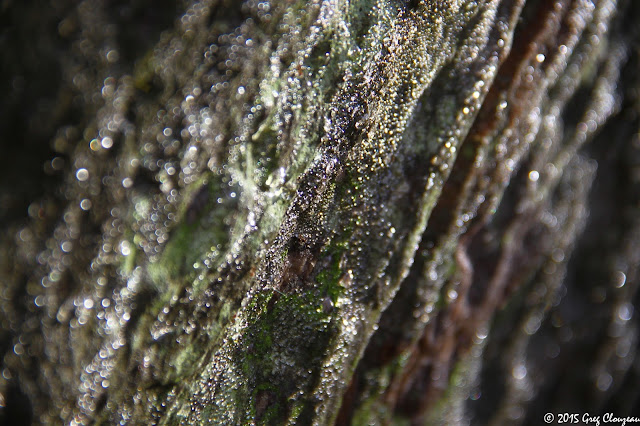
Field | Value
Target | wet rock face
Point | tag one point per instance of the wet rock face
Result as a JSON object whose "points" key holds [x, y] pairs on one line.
{"points": [[319, 212]]}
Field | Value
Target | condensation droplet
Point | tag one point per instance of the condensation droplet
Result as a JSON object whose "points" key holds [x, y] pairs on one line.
{"points": [[82, 174], [519, 372], [113, 56], [452, 294], [604, 382], [625, 312], [85, 204], [106, 142], [482, 333], [18, 349], [125, 249]]}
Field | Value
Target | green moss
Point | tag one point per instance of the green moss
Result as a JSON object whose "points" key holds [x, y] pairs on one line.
{"points": [[371, 410], [297, 410], [270, 379], [174, 258], [400, 421], [129, 261], [201, 226], [265, 143], [446, 409], [329, 279], [225, 312], [185, 359]]}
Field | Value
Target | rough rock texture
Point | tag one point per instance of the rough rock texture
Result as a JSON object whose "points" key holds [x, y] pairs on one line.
{"points": [[363, 212]]}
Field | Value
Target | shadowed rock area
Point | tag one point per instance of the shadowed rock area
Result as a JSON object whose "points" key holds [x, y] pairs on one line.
{"points": [[326, 212]]}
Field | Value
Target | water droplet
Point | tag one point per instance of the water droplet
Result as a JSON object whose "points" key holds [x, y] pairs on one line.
{"points": [[85, 204], [481, 333], [106, 142], [604, 382], [519, 372], [18, 349], [113, 56], [452, 294], [125, 248], [557, 255], [623, 348], [82, 174], [625, 312]]}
